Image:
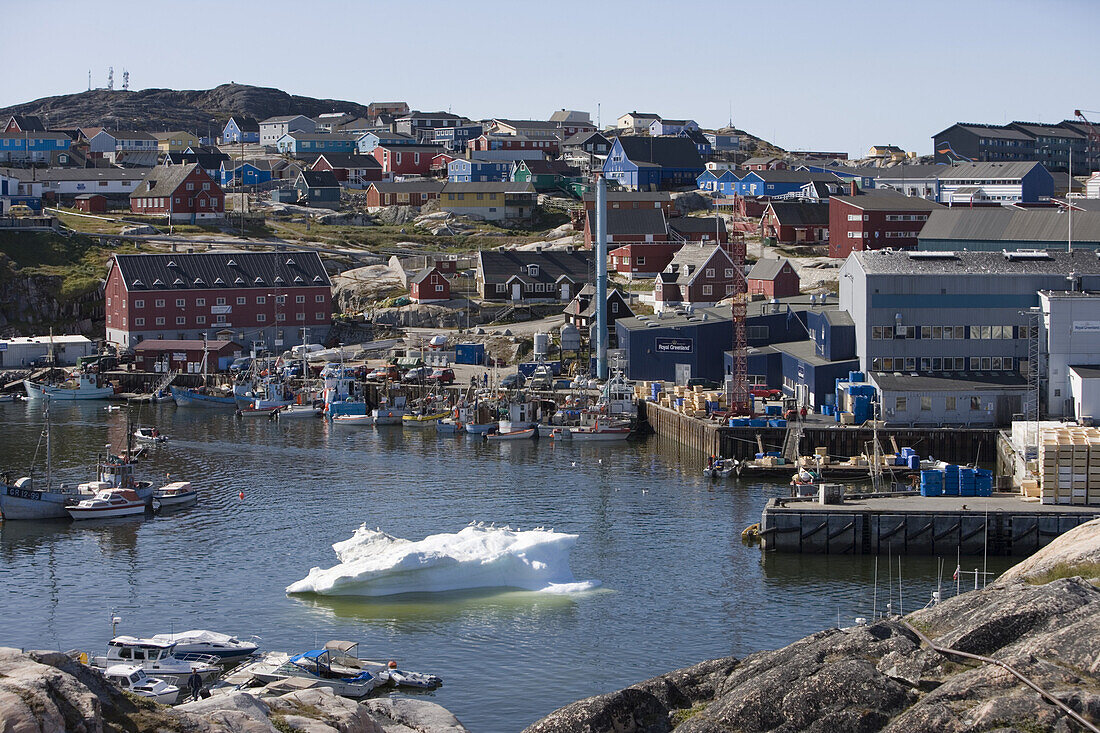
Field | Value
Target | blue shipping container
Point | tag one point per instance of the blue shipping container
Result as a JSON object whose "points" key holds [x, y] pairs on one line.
{"points": [[470, 354]]}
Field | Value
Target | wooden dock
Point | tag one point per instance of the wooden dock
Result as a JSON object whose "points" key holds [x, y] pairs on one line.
{"points": [[914, 525]]}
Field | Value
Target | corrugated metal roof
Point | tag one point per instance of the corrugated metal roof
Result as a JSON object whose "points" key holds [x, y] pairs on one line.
{"points": [[766, 269], [624, 222], [1043, 227], [895, 262], [888, 200], [990, 171], [498, 266], [210, 270]]}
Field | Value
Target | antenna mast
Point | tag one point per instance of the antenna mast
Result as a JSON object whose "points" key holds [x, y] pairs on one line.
{"points": [[110, 78], [89, 80], [125, 80]]}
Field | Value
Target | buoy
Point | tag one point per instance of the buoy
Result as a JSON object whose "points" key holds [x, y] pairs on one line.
{"points": [[392, 664], [241, 496]]}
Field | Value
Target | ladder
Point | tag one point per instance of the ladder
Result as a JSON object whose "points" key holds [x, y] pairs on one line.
{"points": [[792, 442], [166, 380]]}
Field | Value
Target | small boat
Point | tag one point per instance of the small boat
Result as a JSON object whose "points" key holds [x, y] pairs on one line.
{"points": [[450, 425], [526, 434], [201, 397], [402, 678], [109, 503], [257, 411], [324, 668], [293, 412], [152, 435], [164, 395], [389, 415], [599, 431], [480, 428], [354, 420], [177, 493], [429, 420], [10, 397], [133, 679], [228, 649], [85, 388], [720, 468], [159, 658]]}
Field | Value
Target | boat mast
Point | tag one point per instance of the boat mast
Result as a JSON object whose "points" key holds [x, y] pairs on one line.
{"points": [[49, 458]]}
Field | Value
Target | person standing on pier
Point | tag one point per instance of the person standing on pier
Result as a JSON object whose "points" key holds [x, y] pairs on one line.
{"points": [[194, 683]]}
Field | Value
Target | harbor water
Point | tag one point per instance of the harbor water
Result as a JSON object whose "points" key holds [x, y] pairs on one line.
{"points": [[675, 584]]}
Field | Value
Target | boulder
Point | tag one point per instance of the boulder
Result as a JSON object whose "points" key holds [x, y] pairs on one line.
{"points": [[413, 714], [396, 215], [139, 229], [308, 709], [1080, 547], [688, 201], [349, 218], [358, 289]]}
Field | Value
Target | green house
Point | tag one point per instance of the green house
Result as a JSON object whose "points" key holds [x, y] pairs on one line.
{"points": [[548, 176]]}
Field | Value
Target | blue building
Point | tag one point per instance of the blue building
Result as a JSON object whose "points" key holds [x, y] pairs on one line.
{"points": [[653, 163], [37, 147], [241, 130], [777, 183], [308, 144], [723, 142], [702, 144], [371, 140], [318, 188], [244, 172], [478, 171], [718, 182], [455, 138]]}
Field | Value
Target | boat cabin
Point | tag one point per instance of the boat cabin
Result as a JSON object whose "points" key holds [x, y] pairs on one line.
{"points": [[129, 649], [126, 676]]}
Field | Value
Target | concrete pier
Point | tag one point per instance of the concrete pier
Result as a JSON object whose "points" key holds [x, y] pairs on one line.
{"points": [[915, 525]]}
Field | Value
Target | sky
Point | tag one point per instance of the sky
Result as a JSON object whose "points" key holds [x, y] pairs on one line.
{"points": [[807, 75]]}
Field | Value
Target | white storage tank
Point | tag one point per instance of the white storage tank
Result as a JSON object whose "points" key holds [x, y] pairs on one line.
{"points": [[570, 338], [542, 344]]}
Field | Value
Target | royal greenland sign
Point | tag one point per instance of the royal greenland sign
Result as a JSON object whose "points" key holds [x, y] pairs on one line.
{"points": [[675, 346]]}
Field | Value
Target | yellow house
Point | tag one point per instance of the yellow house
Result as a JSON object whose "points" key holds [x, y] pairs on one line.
{"points": [[891, 153], [489, 200], [175, 141]]}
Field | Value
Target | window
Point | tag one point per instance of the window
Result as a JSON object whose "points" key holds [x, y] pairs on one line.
{"points": [[899, 404], [241, 300], [757, 332], [876, 333], [181, 320], [1006, 363], [925, 404], [108, 300], [160, 303], [854, 217], [261, 317], [200, 302], [707, 290], [319, 316], [876, 364], [280, 299], [139, 321], [200, 320], [709, 272], [925, 364], [937, 332], [299, 299], [160, 320], [729, 272], [220, 301], [975, 403], [260, 299], [996, 364], [299, 316], [926, 332], [220, 318], [280, 316], [190, 186], [986, 363], [960, 332], [729, 289], [181, 303], [500, 287], [910, 363], [319, 299], [887, 364], [937, 364], [139, 303], [949, 403]]}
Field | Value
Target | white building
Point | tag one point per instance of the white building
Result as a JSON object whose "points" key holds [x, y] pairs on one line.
{"points": [[75, 181], [26, 351], [274, 128], [1071, 337], [1092, 186]]}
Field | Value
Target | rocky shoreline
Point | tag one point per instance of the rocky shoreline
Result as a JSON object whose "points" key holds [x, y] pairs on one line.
{"points": [[882, 677]]}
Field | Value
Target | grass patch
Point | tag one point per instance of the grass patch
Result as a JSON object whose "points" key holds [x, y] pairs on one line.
{"points": [[278, 722], [1066, 570], [80, 262], [685, 714]]}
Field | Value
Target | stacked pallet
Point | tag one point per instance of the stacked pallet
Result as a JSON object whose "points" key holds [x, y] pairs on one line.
{"points": [[1069, 458]]}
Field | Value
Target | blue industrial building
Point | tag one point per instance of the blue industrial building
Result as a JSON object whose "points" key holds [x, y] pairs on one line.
{"points": [[653, 163], [778, 182], [305, 144], [478, 171], [37, 147]]}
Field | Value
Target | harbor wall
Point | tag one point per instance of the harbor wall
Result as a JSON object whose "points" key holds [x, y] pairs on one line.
{"points": [[957, 445], [837, 530]]}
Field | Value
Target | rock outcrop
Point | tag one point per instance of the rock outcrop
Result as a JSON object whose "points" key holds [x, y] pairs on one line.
{"points": [[47, 692], [1077, 551], [882, 677]]}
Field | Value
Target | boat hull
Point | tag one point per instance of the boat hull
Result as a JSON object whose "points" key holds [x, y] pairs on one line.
{"points": [[527, 434], [388, 416], [354, 421], [177, 500], [479, 429], [603, 436], [108, 512], [189, 398], [36, 391], [16, 503]]}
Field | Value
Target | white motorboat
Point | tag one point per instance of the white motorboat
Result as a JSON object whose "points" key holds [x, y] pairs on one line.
{"points": [[109, 504], [324, 668], [228, 649], [177, 493], [403, 678], [85, 388], [354, 420], [293, 412], [133, 678], [389, 415], [267, 412], [150, 435], [720, 468], [158, 658], [527, 434], [10, 397]]}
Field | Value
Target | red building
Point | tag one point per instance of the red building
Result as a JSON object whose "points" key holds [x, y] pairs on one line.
{"points": [[698, 275], [764, 164], [404, 193], [429, 286], [876, 219], [643, 259], [184, 192], [795, 222], [705, 229], [261, 299], [628, 225], [774, 279], [438, 166], [354, 171], [91, 203], [633, 200], [186, 356], [494, 141], [406, 160]]}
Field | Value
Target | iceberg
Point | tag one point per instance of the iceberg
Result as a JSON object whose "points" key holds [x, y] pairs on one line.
{"points": [[373, 563]]}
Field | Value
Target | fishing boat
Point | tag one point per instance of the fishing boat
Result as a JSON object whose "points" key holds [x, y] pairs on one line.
{"points": [[133, 679], [353, 420], [109, 504], [151, 435], [158, 658], [389, 415], [267, 412], [176, 494], [227, 649], [525, 434], [202, 397], [84, 388], [599, 433], [426, 420], [293, 412], [720, 467]]}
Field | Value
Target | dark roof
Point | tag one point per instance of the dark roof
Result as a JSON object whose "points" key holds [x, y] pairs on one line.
{"points": [[885, 199], [266, 270], [320, 179], [1037, 129], [423, 273], [582, 137], [965, 381], [402, 148], [766, 269], [796, 214], [29, 123], [789, 176], [430, 115], [550, 167], [981, 264], [278, 119], [667, 152], [988, 131], [88, 174], [424, 186], [1011, 225], [632, 196], [695, 136], [696, 224], [1086, 372], [206, 160], [246, 124], [921, 171], [499, 265], [164, 180], [215, 345], [489, 187], [1010, 170], [349, 160], [622, 222]]}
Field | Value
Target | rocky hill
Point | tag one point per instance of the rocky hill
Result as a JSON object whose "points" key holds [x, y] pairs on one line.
{"points": [[883, 676], [171, 109]]}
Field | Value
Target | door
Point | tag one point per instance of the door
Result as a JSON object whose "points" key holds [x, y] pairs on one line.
{"points": [[517, 291], [565, 291], [683, 374]]}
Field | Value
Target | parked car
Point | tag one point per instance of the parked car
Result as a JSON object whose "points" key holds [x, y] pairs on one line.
{"points": [[766, 393], [443, 376], [416, 374], [382, 373], [17, 210], [241, 364], [513, 381]]}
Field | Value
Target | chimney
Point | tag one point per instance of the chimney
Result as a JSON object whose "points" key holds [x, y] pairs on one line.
{"points": [[853, 189]]}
